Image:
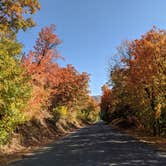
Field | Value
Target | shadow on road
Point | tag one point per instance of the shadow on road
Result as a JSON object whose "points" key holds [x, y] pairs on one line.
{"points": [[96, 145]]}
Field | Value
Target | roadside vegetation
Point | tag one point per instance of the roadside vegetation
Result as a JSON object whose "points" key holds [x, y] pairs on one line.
{"points": [[135, 95], [39, 99]]}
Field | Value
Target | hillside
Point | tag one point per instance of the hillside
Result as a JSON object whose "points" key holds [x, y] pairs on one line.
{"points": [[97, 98]]}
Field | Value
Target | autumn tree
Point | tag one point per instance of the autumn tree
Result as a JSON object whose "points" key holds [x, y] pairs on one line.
{"points": [[72, 90], [105, 103], [138, 83], [147, 70], [41, 66], [54, 86], [15, 15], [34, 85]]}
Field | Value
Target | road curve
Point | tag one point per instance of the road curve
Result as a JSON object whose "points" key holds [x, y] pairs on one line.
{"points": [[96, 145]]}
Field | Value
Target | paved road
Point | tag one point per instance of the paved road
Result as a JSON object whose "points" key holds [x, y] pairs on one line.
{"points": [[96, 145]]}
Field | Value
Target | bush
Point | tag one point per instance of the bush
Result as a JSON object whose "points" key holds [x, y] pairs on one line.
{"points": [[59, 112], [90, 113]]}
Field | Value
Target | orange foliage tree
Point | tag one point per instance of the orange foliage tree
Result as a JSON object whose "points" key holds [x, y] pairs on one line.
{"points": [[148, 72], [53, 86], [138, 83], [15, 15], [41, 67], [72, 90]]}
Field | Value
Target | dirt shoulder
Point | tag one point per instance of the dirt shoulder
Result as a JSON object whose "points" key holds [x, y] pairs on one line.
{"points": [[32, 136], [7, 158], [158, 142]]}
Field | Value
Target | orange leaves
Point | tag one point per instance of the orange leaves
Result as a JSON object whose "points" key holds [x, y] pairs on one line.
{"points": [[72, 88], [138, 82], [41, 68], [106, 97], [147, 63], [46, 44], [53, 85], [146, 51], [39, 63]]}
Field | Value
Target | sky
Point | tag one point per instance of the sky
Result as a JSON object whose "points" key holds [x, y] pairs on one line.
{"points": [[91, 30]]}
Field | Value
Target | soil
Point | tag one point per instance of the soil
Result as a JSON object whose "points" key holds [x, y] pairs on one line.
{"points": [[158, 142], [34, 135]]}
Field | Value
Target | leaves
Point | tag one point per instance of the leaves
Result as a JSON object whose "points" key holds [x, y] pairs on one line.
{"points": [[138, 82], [34, 85], [54, 86], [13, 14], [14, 88]]}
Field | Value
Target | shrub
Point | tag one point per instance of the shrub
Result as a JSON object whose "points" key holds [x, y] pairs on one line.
{"points": [[90, 113], [59, 112]]}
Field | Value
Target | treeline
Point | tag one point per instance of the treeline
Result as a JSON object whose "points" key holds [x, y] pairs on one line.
{"points": [[135, 95], [35, 85]]}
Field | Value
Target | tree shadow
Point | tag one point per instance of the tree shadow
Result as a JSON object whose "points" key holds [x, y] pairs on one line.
{"points": [[95, 146]]}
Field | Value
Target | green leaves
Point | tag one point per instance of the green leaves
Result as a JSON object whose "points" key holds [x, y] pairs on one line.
{"points": [[14, 88]]}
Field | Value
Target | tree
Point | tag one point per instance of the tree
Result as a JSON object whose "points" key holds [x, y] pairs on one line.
{"points": [[72, 90], [41, 66], [138, 82], [147, 70], [14, 85], [105, 103], [54, 86], [90, 112], [14, 88], [15, 14]]}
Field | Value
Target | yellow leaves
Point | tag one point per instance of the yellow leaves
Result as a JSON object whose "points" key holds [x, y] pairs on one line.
{"points": [[13, 15], [16, 9], [139, 83], [9, 47], [158, 111], [14, 87], [32, 3], [60, 112], [1, 102]]}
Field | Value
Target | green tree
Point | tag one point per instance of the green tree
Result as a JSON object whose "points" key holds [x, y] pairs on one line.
{"points": [[14, 88]]}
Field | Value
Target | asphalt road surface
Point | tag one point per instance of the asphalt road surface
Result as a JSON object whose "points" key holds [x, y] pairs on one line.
{"points": [[96, 145]]}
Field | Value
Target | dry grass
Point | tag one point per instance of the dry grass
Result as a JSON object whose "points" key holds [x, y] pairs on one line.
{"points": [[158, 142], [32, 136]]}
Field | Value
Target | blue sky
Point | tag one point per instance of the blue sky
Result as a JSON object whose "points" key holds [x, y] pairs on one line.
{"points": [[91, 30]]}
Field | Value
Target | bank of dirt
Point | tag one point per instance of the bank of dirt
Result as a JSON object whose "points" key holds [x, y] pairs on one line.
{"points": [[33, 135]]}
